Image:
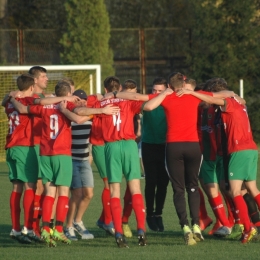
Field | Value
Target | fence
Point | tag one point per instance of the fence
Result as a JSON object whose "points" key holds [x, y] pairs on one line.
{"points": [[140, 54]]}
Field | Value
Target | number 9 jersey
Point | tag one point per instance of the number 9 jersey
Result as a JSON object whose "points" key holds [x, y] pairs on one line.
{"points": [[56, 129]]}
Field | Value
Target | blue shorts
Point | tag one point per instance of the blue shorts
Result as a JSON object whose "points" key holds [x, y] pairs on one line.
{"points": [[82, 175]]}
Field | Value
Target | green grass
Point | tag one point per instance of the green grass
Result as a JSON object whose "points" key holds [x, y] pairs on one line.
{"points": [[167, 245]]}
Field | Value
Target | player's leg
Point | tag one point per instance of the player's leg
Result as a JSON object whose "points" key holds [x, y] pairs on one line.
{"points": [[127, 210], [87, 184]]}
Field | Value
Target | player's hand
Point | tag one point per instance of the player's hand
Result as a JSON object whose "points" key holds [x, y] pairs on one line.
{"points": [[72, 99], [16, 94], [108, 95], [110, 110], [182, 92], [63, 105], [168, 91]]}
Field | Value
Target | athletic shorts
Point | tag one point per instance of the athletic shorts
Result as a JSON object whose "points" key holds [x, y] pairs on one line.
{"points": [[243, 165], [57, 169], [82, 175], [98, 153], [212, 171], [22, 163], [37, 151], [122, 157]]}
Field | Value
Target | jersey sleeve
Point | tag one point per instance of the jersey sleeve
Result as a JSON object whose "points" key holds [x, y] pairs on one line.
{"points": [[70, 106], [91, 100], [35, 110], [150, 96]]}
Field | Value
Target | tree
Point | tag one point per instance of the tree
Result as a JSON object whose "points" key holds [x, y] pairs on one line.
{"points": [[86, 39], [225, 43]]}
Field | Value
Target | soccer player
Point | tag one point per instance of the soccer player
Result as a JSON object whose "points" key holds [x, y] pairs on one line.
{"points": [[121, 156], [22, 162], [82, 179], [243, 156], [153, 154]]}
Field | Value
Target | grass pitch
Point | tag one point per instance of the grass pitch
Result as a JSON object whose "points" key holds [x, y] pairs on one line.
{"points": [[166, 245]]}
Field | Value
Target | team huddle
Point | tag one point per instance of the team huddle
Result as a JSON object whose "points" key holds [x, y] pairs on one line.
{"points": [[189, 135]]}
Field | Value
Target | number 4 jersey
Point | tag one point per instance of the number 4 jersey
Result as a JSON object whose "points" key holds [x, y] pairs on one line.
{"points": [[19, 125], [120, 126], [56, 131]]}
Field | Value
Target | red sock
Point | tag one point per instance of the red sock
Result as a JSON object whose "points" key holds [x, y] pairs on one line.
{"points": [[231, 210], [127, 206], [242, 212], [61, 212], [203, 212], [106, 206], [257, 200], [36, 208], [28, 199], [219, 210], [116, 211], [46, 212], [15, 199], [139, 209]]}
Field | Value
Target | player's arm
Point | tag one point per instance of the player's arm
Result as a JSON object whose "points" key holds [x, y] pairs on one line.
{"points": [[156, 101], [86, 111], [207, 98], [227, 93], [22, 109], [53, 100], [127, 95], [15, 93], [71, 115]]}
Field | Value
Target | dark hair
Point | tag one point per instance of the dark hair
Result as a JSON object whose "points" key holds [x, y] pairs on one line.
{"points": [[129, 84], [112, 83], [176, 80], [62, 89], [200, 86], [36, 70], [24, 81], [215, 85], [160, 81]]}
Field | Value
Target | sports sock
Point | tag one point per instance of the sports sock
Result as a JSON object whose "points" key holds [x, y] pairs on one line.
{"points": [[15, 209], [116, 211], [232, 216], [257, 200], [127, 206], [102, 216], [219, 210], [252, 209], [139, 209], [46, 212], [106, 206], [28, 199], [203, 212], [61, 212], [242, 212], [36, 208]]}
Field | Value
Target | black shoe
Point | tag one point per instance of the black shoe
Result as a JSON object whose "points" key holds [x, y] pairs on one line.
{"points": [[151, 222], [142, 241], [120, 240], [159, 222]]}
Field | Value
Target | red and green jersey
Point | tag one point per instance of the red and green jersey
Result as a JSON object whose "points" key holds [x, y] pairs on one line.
{"points": [[19, 125], [96, 134], [120, 126], [181, 114], [237, 126], [56, 131], [208, 136]]}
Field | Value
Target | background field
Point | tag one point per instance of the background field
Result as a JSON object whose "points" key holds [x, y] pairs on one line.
{"points": [[167, 245]]}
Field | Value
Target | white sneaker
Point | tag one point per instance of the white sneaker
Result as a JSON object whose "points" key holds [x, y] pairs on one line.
{"points": [[223, 231], [82, 231], [70, 233]]}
